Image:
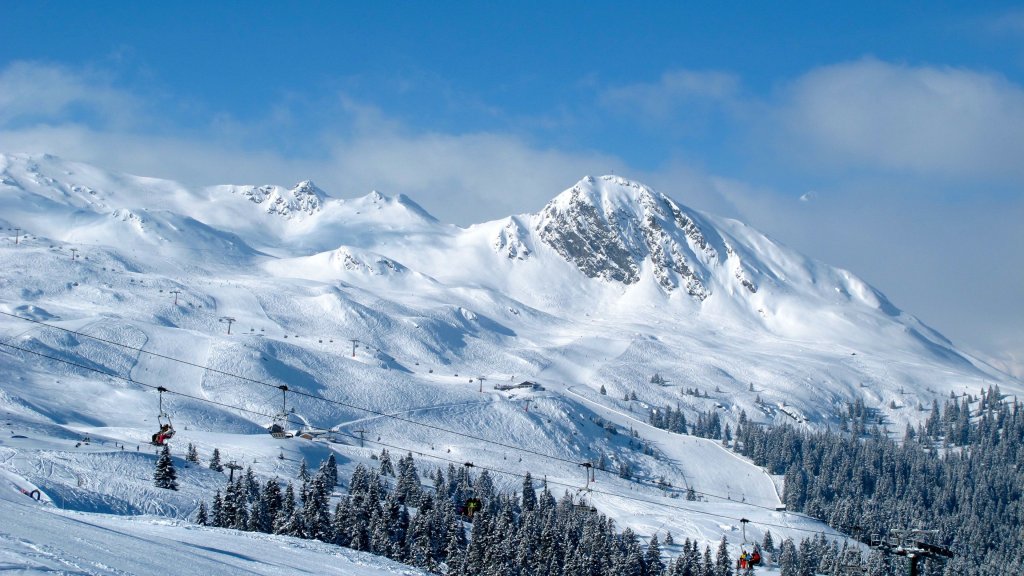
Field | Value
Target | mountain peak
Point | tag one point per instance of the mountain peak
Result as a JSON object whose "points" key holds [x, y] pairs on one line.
{"points": [[308, 188], [378, 201], [613, 228], [610, 192]]}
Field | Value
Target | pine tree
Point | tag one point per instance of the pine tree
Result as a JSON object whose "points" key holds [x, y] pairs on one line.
{"points": [[289, 518], [604, 392], [192, 455], [241, 509], [303, 471], [386, 468], [768, 544], [165, 476], [315, 512], [217, 511], [723, 564], [669, 541], [252, 486], [408, 486], [330, 469], [529, 495], [652, 558], [269, 506], [789, 561], [201, 516], [215, 464]]}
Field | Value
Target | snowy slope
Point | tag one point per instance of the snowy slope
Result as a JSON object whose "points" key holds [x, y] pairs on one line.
{"points": [[40, 538], [390, 318]]}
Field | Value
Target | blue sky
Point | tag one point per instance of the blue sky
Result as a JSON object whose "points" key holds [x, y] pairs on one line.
{"points": [[887, 138]]}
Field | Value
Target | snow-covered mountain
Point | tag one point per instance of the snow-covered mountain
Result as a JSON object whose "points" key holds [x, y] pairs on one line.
{"points": [[373, 303]]}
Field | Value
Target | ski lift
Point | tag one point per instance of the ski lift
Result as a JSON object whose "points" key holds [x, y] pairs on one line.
{"points": [[277, 428], [472, 504], [164, 421], [471, 507], [583, 504]]}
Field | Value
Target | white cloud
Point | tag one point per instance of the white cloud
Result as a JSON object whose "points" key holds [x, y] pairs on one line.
{"points": [[35, 92], [1011, 22], [658, 100], [928, 121], [461, 178]]}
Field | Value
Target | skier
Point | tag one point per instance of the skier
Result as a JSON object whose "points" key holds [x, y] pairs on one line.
{"points": [[164, 434], [755, 558], [472, 506]]}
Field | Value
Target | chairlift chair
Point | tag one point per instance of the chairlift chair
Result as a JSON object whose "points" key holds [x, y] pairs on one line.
{"points": [[163, 419], [277, 428], [583, 505]]}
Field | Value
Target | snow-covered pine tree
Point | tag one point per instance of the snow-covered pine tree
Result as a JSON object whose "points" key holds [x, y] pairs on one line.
{"points": [[217, 511], [252, 486], [330, 469], [789, 561], [419, 543], [215, 464], [269, 505], [230, 506], [191, 454], [201, 515], [286, 511], [380, 538], [339, 523], [631, 560], [165, 476], [768, 543], [408, 486], [652, 558], [529, 495], [315, 511], [723, 564], [454, 551], [303, 471], [386, 468], [241, 509]]}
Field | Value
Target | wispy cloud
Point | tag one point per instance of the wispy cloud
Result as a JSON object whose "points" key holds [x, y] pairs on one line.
{"points": [[35, 92], [930, 121], [1011, 22], [460, 177], [674, 90]]}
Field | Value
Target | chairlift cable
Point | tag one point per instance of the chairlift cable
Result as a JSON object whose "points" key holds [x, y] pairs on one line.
{"points": [[305, 394], [416, 451], [361, 408]]}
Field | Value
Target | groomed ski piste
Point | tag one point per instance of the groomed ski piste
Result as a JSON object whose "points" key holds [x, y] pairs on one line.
{"points": [[381, 322]]}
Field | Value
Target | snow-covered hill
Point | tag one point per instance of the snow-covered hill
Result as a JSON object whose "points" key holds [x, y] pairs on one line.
{"points": [[382, 320]]}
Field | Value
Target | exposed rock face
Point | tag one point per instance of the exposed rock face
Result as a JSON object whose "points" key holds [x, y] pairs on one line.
{"points": [[511, 241], [367, 263], [303, 198], [611, 227]]}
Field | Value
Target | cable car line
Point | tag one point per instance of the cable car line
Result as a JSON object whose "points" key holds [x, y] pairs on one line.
{"points": [[369, 410], [416, 451], [300, 393]]}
